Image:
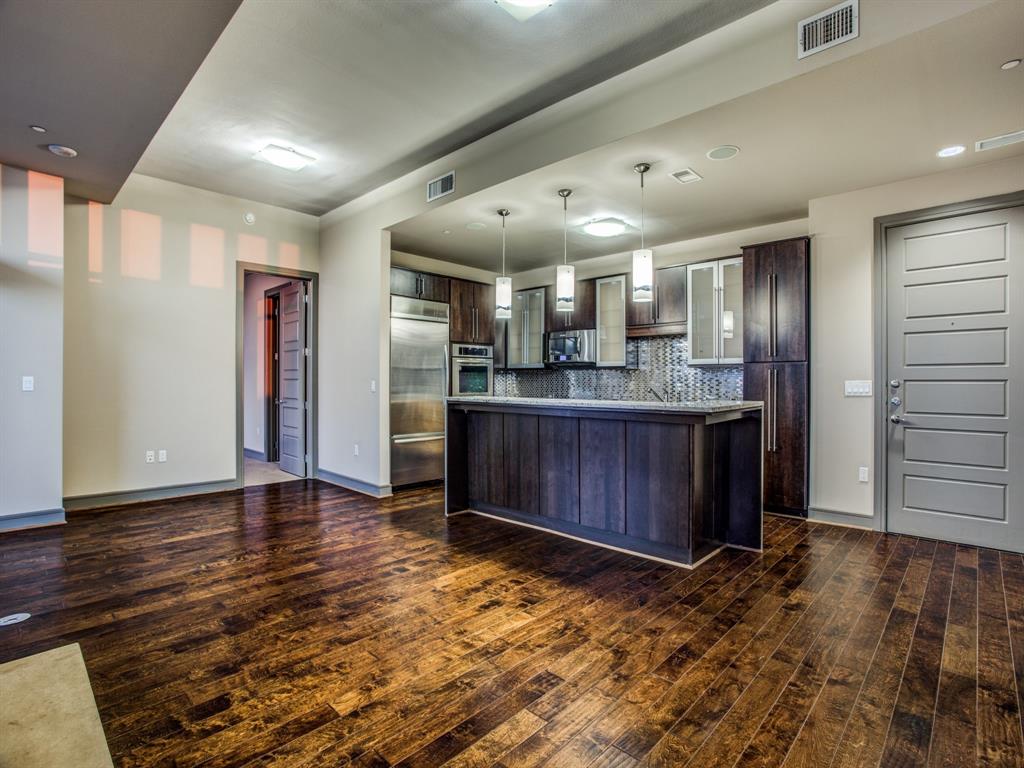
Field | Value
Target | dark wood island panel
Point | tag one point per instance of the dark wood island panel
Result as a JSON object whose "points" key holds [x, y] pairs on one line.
{"points": [[667, 481]]}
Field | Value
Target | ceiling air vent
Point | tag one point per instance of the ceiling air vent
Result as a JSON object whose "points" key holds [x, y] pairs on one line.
{"points": [[686, 176], [830, 27], [441, 186], [999, 141]]}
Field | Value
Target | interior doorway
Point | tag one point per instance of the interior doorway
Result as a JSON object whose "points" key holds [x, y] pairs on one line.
{"points": [[276, 375]]}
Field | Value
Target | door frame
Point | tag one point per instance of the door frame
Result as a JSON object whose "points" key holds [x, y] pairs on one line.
{"points": [[271, 374], [880, 303], [312, 279]]}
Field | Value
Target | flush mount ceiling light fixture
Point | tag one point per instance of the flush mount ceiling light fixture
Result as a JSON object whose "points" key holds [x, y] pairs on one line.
{"points": [[643, 258], [604, 227], [503, 284], [565, 273], [724, 152], [61, 151], [953, 151], [521, 10], [476, 226], [38, 128], [1010, 64], [284, 157]]}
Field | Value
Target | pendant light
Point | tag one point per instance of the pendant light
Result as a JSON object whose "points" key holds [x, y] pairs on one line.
{"points": [[503, 285], [565, 273], [643, 259]]}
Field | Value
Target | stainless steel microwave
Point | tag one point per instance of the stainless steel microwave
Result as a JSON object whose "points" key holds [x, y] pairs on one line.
{"points": [[572, 348]]}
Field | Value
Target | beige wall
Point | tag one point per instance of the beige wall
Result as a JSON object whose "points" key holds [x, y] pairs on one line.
{"points": [[254, 413], [31, 330], [150, 316], [842, 254]]}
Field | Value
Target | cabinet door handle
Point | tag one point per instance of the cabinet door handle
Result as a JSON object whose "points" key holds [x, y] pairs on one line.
{"points": [[775, 409], [774, 315]]}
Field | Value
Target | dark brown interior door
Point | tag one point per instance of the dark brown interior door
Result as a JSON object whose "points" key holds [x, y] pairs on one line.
{"points": [[270, 372]]}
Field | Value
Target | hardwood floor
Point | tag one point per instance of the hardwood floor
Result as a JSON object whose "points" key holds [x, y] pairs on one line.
{"points": [[302, 625]]}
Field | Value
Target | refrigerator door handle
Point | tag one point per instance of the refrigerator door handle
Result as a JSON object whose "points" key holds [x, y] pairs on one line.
{"points": [[444, 378], [406, 439]]}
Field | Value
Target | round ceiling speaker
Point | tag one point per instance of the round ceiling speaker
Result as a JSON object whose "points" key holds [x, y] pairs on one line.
{"points": [[724, 152], [61, 151]]}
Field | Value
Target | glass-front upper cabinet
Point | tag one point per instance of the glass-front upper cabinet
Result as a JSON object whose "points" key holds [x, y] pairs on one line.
{"points": [[526, 330], [611, 321], [715, 312]]}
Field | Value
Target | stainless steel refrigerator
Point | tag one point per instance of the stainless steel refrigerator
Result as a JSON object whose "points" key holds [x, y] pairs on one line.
{"points": [[419, 384]]}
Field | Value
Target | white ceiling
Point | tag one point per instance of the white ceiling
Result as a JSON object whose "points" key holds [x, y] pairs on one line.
{"points": [[377, 88], [867, 120]]}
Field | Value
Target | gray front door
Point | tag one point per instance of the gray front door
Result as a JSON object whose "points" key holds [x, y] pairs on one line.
{"points": [[292, 378], [955, 379]]}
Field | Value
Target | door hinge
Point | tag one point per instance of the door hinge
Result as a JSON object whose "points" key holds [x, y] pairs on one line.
{"points": [[305, 405], [306, 352], [275, 355], [307, 458], [305, 298], [275, 311]]}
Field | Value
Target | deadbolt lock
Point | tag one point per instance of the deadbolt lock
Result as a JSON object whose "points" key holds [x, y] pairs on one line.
{"points": [[895, 402], [894, 383]]}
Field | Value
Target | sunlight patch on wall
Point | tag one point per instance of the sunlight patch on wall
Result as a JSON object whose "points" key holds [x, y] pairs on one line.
{"points": [[46, 214], [288, 255], [95, 237], [206, 256], [252, 248], [140, 245]]}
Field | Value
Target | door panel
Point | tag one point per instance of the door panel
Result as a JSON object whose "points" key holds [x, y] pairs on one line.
{"points": [[486, 451], [559, 467], [460, 315], [603, 474], [670, 294], [955, 466], [522, 475], [658, 479], [292, 384], [404, 283], [484, 302], [434, 288], [790, 267], [784, 389], [757, 267]]}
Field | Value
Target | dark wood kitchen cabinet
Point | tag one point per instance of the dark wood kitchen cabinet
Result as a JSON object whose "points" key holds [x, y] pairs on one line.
{"points": [[776, 351], [584, 314], [419, 285], [776, 289], [784, 389], [666, 314], [471, 312]]}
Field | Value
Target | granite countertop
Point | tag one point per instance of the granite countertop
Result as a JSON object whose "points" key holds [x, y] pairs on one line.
{"points": [[680, 406]]}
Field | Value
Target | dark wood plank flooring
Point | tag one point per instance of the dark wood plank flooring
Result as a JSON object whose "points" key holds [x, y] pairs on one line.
{"points": [[303, 625]]}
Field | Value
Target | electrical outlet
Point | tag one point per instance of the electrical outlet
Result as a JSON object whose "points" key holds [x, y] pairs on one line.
{"points": [[161, 456], [28, 383], [355, 449], [373, 386], [150, 457], [862, 474]]}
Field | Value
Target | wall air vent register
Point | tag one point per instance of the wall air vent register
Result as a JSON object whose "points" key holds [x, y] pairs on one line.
{"points": [[831, 27]]}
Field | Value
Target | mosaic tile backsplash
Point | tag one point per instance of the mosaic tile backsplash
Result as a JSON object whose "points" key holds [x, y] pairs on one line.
{"points": [[657, 362]]}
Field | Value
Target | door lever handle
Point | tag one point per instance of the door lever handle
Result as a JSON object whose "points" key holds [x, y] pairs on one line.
{"points": [[897, 419]]}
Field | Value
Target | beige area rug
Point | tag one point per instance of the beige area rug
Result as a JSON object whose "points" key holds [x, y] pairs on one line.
{"points": [[48, 716]]}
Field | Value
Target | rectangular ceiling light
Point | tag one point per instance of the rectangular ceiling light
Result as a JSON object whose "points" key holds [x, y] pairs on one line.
{"points": [[284, 157], [999, 141]]}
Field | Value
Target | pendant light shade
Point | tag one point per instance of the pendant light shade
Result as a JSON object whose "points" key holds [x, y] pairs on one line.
{"points": [[565, 273], [643, 258], [503, 284]]}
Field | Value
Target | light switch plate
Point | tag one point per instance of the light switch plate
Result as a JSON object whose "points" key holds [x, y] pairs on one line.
{"points": [[150, 457], [862, 474], [857, 388], [28, 383], [161, 456]]}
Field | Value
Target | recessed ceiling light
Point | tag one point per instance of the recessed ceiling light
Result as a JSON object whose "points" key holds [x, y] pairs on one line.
{"points": [[521, 10], [604, 227], [951, 151], [38, 128], [476, 225], [446, 231], [724, 152], [61, 151], [284, 157], [1010, 64]]}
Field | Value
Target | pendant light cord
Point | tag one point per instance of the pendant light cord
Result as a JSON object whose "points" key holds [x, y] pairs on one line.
{"points": [[503, 245], [642, 209], [565, 230]]}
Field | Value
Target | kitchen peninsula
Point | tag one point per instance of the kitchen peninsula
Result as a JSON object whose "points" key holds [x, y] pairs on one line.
{"points": [[669, 481]]}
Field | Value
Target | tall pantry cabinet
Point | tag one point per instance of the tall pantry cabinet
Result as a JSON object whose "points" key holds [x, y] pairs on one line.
{"points": [[776, 353]]}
